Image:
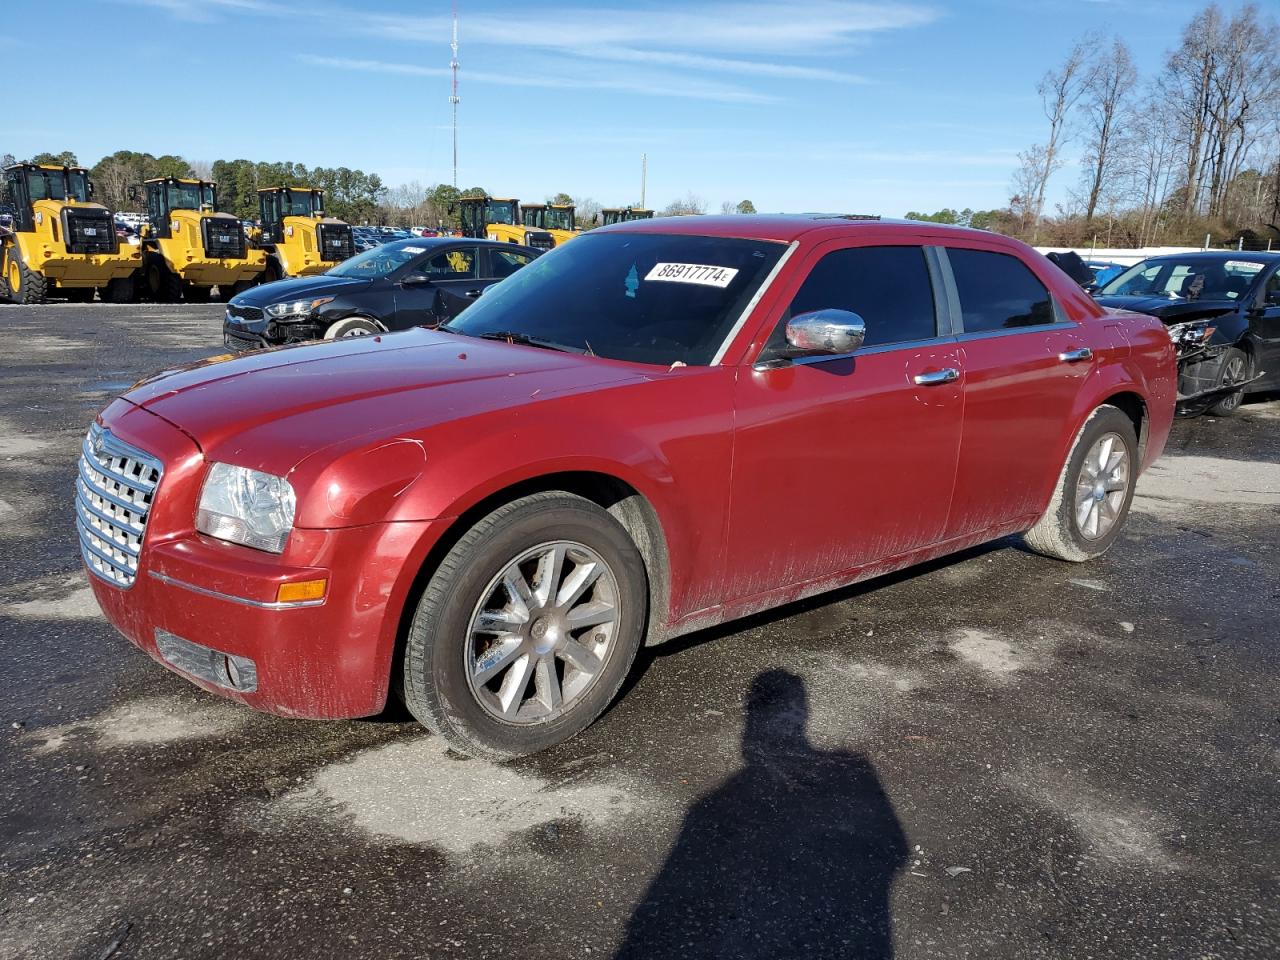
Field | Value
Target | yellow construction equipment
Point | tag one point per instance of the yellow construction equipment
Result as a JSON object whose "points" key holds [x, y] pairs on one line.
{"points": [[499, 219], [622, 214], [556, 219], [188, 249], [62, 244], [300, 241]]}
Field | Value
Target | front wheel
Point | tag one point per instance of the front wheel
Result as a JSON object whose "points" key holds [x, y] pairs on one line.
{"points": [[1235, 369], [351, 327], [527, 629], [1094, 491]]}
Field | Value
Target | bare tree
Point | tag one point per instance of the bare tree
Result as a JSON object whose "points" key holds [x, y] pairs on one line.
{"points": [[1059, 91], [689, 205], [1106, 88]]}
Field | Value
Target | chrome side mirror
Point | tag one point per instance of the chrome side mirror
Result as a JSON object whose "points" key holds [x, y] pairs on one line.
{"points": [[825, 332]]}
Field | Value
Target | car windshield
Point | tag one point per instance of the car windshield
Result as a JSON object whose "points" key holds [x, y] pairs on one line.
{"points": [[642, 297], [1191, 278], [379, 261]]}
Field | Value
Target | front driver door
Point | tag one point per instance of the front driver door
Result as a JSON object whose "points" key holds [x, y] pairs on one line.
{"points": [[843, 461], [438, 287]]}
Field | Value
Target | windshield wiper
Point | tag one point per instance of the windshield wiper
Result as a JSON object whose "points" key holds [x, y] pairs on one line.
{"points": [[510, 336]]}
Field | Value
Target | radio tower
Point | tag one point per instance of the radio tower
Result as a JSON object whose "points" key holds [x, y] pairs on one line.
{"points": [[453, 96]]}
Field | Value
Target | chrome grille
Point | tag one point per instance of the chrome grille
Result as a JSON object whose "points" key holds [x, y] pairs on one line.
{"points": [[113, 498]]}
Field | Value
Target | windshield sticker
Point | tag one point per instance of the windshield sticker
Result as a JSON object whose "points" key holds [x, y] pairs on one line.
{"points": [[414, 249], [1245, 266], [632, 283], [705, 275]]}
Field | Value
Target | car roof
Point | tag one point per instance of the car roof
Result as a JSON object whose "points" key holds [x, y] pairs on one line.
{"points": [[785, 228]]}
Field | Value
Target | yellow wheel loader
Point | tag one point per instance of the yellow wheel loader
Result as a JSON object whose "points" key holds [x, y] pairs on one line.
{"points": [[495, 219], [555, 218], [622, 214], [299, 240], [188, 249], [62, 244]]}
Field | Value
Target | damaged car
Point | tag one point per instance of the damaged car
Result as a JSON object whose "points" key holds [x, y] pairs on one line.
{"points": [[1222, 311]]}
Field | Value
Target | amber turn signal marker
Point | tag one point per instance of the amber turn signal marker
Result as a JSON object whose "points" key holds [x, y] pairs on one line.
{"points": [[305, 590]]}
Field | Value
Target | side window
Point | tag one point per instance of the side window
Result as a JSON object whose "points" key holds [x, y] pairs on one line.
{"points": [[889, 287], [451, 265], [506, 262], [998, 291], [1272, 295]]}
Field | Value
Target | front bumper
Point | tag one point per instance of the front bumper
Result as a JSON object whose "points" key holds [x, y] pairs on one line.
{"points": [[327, 658], [257, 335]]}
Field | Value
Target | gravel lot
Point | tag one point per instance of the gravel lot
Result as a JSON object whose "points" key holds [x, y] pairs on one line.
{"points": [[997, 755]]}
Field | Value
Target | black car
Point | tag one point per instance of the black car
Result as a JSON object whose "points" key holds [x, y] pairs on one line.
{"points": [[405, 283], [1222, 310]]}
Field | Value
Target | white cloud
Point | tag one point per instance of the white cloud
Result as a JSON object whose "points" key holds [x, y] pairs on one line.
{"points": [[654, 85]]}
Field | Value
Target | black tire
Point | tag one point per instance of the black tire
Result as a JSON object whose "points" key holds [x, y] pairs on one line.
{"points": [[352, 327], [79, 294], [32, 286], [163, 285], [435, 685], [1235, 369], [120, 290], [273, 271], [1059, 533]]}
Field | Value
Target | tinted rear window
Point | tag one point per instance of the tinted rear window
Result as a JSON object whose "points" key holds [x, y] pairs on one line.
{"points": [[998, 291]]}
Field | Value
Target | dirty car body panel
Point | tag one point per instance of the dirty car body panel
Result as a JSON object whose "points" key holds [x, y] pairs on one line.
{"points": [[765, 480]]}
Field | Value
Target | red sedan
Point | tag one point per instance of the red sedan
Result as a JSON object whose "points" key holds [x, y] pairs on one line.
{"points": [[661, 426]]}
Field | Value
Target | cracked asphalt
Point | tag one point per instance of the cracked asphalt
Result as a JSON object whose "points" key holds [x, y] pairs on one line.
{"points": [[996, 755]]}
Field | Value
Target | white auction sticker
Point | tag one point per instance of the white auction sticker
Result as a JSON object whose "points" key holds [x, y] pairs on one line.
{"points": [[414, 249], [704, 274]]}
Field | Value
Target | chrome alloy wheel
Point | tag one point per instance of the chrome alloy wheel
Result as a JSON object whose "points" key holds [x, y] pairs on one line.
{"points": [[542, 633], [1101, 486]]}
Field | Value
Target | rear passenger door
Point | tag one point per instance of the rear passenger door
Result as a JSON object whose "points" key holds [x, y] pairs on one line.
{"points": [[840, 461], [1265, 321], [1024, 364]]}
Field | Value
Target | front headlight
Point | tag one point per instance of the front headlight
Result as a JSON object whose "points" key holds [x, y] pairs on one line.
{"points": [[247, 507], [1194, 333], [296, 308]]}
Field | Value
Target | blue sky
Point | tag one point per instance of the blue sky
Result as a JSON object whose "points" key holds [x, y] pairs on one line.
{"points": [[813, 104]]}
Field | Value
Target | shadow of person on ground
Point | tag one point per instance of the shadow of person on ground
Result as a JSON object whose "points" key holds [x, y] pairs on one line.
{"points": [[793, 856]]}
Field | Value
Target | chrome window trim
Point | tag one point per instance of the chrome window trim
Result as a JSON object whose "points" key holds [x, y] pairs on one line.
{"points": [[754, 302], [868, 351], [937, 256], [1014, 331], [243, 601]]}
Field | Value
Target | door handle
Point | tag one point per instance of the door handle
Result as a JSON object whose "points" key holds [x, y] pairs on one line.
{"points": [[472, 294], [937, 377], [1075, 356]]}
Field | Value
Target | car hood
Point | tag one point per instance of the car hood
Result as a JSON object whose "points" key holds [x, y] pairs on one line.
{"points": [[271, 409], [1169, 311], [282, 291]]}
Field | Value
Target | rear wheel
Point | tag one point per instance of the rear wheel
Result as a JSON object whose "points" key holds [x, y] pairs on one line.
{"points": [[1094, 491], [273, 270], [120, 290], [1235, 369], [163, 284], [527, 628]]}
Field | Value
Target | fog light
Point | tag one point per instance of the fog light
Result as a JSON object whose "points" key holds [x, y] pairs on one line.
{"points": [[303, 590]]}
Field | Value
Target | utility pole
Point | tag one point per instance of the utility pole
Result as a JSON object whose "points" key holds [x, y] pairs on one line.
{"points": [[644, 175], [453, 96]]}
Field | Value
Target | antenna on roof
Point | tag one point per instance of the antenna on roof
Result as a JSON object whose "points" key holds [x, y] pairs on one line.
{"points": [[453, 96]]}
